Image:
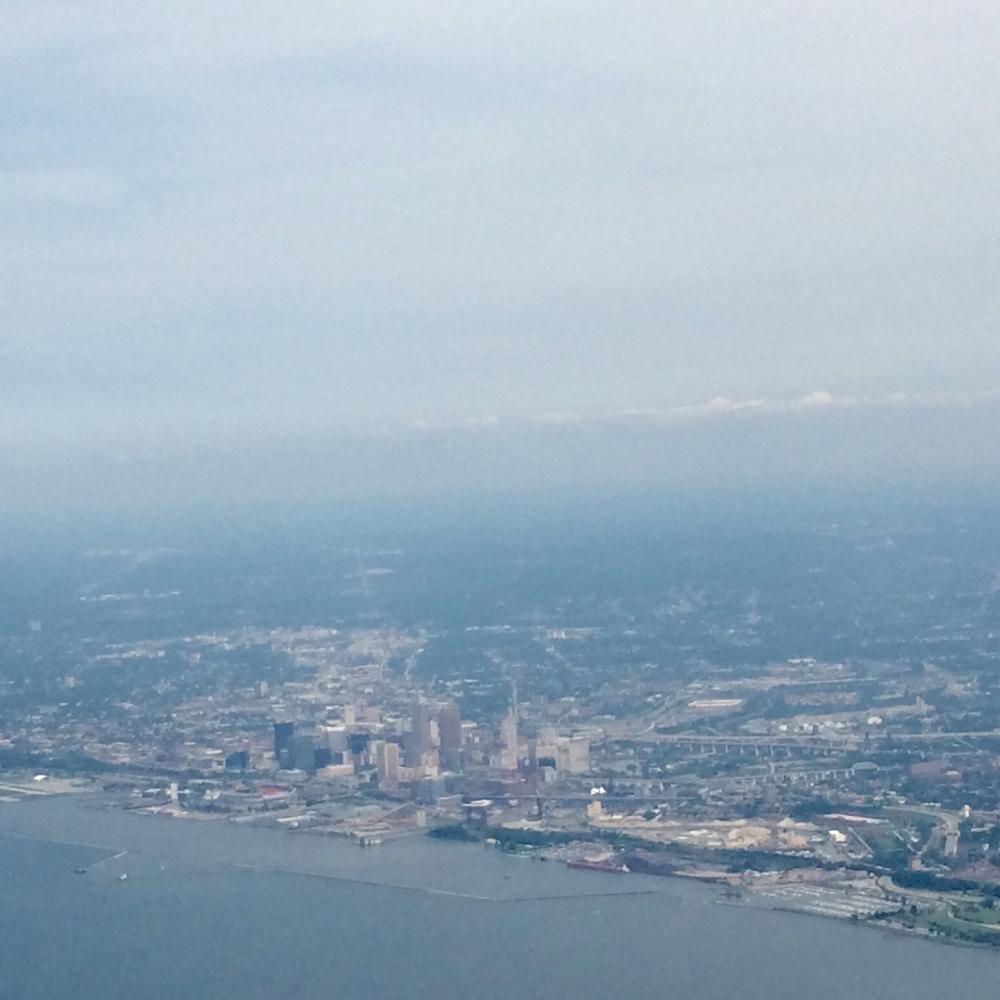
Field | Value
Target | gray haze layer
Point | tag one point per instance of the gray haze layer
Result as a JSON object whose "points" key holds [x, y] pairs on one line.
{"points": [[372, 230]]}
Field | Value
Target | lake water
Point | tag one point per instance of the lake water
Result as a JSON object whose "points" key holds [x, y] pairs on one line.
{"points": [[214, 910]]}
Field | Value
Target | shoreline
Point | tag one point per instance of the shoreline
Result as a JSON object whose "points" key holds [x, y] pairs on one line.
{"points": [[750, 896]]}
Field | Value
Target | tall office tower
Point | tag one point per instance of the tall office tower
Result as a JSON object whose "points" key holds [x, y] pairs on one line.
{"points": [[450, 730], [387, 762], [418, 740], [304, 753], [450, 727], [508, 734], [284, 733], [508, 742]]}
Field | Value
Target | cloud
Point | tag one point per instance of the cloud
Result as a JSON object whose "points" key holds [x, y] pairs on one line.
{"points": [[475, 423], [718, 408], [819, 398], [816, 401], [724, 406]]}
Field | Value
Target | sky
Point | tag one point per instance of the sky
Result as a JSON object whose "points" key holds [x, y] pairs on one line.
{"points": [[415, 230]]}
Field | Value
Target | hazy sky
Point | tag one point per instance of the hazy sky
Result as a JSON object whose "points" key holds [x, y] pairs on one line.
{"points": [[250, 222]]}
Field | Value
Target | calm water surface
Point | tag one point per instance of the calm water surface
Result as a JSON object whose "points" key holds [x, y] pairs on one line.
{"points": [[215, 910]]}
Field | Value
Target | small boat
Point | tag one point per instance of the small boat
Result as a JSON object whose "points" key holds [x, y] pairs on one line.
{"points": [[123, 876], [81, 871]]}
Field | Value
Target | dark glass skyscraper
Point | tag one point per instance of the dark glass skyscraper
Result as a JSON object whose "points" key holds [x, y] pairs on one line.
{"points": [[450, 731], [284, 733]]}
